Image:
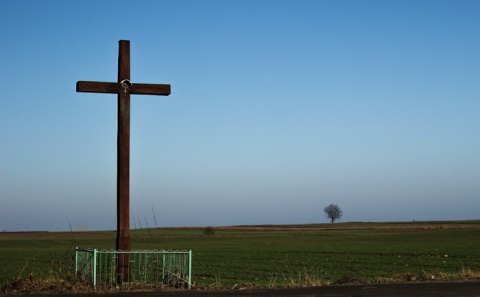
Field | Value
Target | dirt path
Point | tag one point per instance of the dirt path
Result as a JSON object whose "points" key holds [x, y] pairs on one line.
{"points": [[466, 289]]}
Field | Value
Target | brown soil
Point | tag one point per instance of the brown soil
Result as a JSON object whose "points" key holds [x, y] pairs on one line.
{"points": [[428, 289]]}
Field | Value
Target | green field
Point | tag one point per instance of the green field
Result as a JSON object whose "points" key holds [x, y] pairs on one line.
{"points": [[272, 256]]}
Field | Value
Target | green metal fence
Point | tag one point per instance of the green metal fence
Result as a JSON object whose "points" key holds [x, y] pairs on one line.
{"points": [[147, 268]]}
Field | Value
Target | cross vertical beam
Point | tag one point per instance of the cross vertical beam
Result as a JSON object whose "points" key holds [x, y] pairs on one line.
{"points": [[123, 162], [123, 88]]}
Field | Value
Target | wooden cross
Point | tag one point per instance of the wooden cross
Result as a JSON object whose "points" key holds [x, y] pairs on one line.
{"points": [[123, 88]]}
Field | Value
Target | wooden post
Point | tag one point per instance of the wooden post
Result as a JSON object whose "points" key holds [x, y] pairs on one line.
{"points": [[123, 161]]}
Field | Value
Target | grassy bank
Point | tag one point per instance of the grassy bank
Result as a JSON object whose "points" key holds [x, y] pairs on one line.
{"points": [[272, 256]]}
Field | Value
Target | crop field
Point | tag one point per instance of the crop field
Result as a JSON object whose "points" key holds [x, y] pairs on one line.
{"points": [[272, 256]]}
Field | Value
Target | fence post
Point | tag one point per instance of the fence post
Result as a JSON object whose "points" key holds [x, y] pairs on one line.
{"points": [[163, 266], [76, 260], [94, 267], [189, 269]]}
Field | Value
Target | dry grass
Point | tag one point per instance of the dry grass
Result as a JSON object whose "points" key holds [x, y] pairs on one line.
{"points": [[464, 274], [46, 285], [54, 285]]}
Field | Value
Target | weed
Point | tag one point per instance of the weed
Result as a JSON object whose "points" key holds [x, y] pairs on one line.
{"points": [[154, 217]]}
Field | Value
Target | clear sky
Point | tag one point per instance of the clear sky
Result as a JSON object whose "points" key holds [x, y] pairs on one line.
{"points": [[278, 108]]}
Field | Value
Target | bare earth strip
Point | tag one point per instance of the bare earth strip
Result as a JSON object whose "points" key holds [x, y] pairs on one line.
{"points": [[433, 289]]}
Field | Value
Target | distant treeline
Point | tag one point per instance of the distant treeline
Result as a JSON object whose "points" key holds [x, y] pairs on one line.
{"points": [[5, 231]]}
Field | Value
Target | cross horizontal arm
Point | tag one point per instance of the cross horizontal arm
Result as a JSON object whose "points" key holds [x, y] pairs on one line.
{"points": [[97, 87], [150, 89], [115, 88]]}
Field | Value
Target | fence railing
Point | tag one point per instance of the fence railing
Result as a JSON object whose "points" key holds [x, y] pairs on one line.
{"points": [[146, 268]]}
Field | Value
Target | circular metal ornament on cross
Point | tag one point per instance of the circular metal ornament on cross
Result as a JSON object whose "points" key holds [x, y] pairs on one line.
{"points": [[126, 84]]}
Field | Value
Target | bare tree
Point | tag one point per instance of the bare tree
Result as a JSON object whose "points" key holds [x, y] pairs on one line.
{"points": [[333, 212]]}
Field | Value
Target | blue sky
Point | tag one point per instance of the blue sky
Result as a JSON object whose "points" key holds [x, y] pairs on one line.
{"points": [[278, 108]]}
